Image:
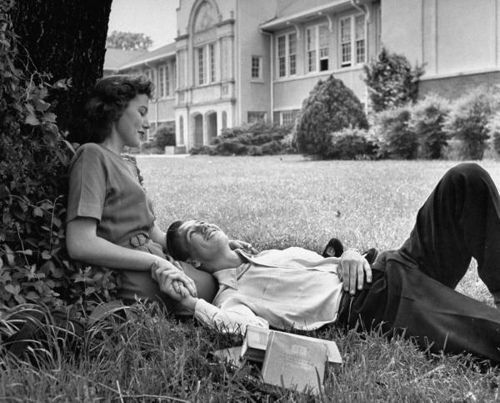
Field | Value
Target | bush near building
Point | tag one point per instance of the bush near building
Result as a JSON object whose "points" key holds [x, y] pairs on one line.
{"points": [[351, 144], [427, 122], [391, 81], [494, 131], [468, 122], [163, 137], [330, 107], [397, 140], [256, 139]]}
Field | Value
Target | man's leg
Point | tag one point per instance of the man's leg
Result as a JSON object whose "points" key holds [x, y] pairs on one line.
{"points": [[459, 220], [406, 301]]}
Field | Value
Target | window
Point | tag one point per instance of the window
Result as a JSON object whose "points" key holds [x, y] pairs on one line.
{"points": [[161, 82], [287, 55], [288, 117], [323, 47], [317, 48], [292, 53], [167, 82], [253, 117], [360, 39], [256, 67], [282, 56], [311, 48], [352, 40], [211, 51], [285, 118], [201, 66]]}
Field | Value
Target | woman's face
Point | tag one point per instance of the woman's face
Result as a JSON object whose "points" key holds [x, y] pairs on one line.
{"points": [[133, 123]]}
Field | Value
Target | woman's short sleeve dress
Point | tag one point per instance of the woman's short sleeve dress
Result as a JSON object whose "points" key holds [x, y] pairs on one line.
{"points": [[105, 187]]}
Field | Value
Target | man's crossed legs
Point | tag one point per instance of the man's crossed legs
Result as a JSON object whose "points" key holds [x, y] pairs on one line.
{"points": [[412, 287]]}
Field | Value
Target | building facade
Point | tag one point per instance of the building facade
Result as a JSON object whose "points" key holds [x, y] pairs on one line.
{"points": [[240, 61]]}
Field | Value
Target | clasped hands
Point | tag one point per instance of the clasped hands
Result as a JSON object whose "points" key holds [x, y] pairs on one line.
{"points": [[353, 270]]}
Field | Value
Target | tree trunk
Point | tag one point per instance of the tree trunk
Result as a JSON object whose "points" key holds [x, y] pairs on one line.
{"points": [[65, 38]]}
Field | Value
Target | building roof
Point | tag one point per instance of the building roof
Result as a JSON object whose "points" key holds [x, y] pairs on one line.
{"points": [[146, 57], [114, 59], [288, 15]]}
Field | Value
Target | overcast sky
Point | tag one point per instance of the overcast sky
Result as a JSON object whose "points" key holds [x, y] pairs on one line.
{"points": [[155, 18]]}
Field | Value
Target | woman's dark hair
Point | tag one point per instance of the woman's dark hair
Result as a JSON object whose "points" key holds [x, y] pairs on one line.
{"points": [[109, 99]]}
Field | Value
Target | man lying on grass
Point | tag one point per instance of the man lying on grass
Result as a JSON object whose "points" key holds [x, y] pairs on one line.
{"points": [[411, 288]]}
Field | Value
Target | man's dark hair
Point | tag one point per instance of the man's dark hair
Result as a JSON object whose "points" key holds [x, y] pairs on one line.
{"points": [[175, 246], [108, 100]]}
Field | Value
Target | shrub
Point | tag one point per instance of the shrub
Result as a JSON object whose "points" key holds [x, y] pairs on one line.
{"points": [[257, 139], [494, 131], [164, 136], [350, 144], [396, 138], [427, 122], [391, 81], [330, 107], [468, 122]]}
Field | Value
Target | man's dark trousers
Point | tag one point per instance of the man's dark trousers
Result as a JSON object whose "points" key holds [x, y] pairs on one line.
{"points": [[412, 288]]}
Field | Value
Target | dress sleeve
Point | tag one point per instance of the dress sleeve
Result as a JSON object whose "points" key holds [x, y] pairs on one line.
{"points": [[87, 186], [230, 320]]}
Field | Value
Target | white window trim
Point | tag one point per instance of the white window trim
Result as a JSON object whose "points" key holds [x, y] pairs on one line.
{"points": [[353, 62], [208, 77], [259, 77], [317, 49], [286, 56]]}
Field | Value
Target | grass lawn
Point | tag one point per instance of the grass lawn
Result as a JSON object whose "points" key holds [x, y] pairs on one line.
{"points": [[272, 202]]}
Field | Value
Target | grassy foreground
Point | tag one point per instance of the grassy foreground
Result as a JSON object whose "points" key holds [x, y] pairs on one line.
{"points": [[273, 202]]}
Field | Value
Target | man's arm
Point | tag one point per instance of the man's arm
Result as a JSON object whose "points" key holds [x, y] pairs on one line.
{"points": [[231, 320]]}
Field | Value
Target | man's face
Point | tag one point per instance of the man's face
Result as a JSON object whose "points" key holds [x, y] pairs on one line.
{"points": [[203, 240]]}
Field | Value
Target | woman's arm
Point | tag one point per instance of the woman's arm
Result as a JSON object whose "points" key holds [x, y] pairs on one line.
{"points": [[83, 244]]}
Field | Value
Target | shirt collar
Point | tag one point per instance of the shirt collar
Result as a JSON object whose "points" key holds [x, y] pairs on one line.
{"points": [[227, 277]]}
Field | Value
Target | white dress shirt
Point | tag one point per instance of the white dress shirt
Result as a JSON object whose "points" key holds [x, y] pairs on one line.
{"points": [[291, 288]]}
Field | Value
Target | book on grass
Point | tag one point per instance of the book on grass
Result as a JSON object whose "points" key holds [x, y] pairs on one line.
{"points": [[256, 338], [294, 362], [255, 343]]}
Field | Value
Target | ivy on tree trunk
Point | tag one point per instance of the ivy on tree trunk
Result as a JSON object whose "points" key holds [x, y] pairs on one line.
{"points": [[67, 39]]}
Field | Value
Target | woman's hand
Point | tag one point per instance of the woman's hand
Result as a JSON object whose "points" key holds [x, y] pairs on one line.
{"points": [[172, 281], [353, 268], [247, 247]]}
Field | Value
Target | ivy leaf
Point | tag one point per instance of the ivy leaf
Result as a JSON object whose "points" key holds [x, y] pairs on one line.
{"points": [[32, 120], [12, 289], [50, 118], [9, 254], [41, 105], [46, 255], [37, 212]]}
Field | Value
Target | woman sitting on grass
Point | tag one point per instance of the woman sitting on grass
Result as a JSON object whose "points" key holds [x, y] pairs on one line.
{"points": [[411, 290], [110, 219]]}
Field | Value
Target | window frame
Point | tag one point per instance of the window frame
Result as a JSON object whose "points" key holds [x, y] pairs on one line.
{"points": [[200, 65], [257, 68], [354, 44], [313, 49], [285, 59]]}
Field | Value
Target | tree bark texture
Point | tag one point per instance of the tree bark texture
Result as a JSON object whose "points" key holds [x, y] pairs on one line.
{"points": [[67, 39]]}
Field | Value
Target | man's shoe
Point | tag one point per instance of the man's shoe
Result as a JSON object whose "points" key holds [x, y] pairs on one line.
{"points": [[334, 248]]}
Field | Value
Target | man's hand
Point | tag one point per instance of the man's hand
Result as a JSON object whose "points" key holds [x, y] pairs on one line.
{"points": [[172, 281], [247, 247], [353, 268]]}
